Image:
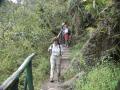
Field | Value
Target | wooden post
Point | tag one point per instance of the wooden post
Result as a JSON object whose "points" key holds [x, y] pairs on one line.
{"points": [[12, 82], [15, 85], [25, 83], [29, 76]]}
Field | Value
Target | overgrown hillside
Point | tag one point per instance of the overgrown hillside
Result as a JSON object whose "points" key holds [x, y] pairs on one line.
{"points": [[99, 55], [103, 76], [22, 33], [24, 29], [28, 27]]}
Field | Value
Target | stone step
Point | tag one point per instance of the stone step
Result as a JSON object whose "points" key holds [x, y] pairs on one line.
{"points": [[67, 53], [66, 50]]}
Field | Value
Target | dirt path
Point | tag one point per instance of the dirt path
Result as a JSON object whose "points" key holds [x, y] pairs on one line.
{"points": [[64, 65]]}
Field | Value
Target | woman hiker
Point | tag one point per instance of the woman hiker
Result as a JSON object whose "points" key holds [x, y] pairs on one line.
{"points": [[56, 51], [66, 35]]}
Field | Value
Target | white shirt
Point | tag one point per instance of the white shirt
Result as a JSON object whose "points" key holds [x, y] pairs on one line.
{"points": [[55, 49], [65, 30]]}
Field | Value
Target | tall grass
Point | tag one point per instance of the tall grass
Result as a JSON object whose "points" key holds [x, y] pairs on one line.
{"points": [[76, 59], [103, 77]]}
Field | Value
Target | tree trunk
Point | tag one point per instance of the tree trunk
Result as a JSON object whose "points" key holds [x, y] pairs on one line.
{"points": [[77, 25], [94, 5]]}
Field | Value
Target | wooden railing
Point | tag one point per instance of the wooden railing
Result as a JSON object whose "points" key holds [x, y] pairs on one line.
{"points": [[12, 82]]}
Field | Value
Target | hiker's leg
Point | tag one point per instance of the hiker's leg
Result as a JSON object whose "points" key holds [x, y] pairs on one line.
{"points": [[58, 67], [69, 40], [66, 39], [52, 63], [67, 43]]}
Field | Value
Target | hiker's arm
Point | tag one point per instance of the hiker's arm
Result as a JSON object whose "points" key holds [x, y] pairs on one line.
{"points": [[59, 33], [61, 49], [49, 48]]}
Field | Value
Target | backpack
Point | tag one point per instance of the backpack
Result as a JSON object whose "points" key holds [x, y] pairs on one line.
{"points": [[69, 32]]}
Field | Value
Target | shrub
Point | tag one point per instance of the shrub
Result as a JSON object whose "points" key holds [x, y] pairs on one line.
{"points": [[103, 77]]}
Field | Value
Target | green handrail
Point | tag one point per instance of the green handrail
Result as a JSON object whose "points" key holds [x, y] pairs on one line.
{"points": [[12, 82]]}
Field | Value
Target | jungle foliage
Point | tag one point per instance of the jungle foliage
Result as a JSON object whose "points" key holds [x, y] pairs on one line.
{"points": [[29, 26]]}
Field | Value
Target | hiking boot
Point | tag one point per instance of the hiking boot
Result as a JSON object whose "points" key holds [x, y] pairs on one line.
{"points": [[51, 80]]}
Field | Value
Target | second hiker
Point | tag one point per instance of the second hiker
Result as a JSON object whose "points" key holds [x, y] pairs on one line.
{"points": [[66, 33]]}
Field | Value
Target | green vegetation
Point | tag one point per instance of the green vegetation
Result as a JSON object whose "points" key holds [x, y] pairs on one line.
{"points": [[77, 61], [21, 34], [103, 77], [24, 29], [28, 27]]}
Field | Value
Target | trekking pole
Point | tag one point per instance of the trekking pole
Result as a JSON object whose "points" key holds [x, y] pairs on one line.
{"points": [[58, 34]]}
